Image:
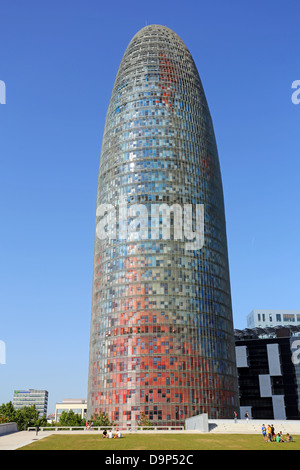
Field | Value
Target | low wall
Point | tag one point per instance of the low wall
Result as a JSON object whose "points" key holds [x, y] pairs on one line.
{"points": [[199, 423], [145, 429], [8, 428]]}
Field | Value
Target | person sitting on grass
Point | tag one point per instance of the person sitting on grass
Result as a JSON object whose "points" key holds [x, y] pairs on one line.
{"points": [[279, 438], [104, 434], [289, 438], [118, 434]]}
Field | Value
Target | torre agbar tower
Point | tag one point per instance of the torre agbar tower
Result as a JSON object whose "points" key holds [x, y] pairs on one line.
{"points": [[162, 342]]}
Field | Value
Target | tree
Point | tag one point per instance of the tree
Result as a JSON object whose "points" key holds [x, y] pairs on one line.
{"points": [[143, 421], [8, 411], [25, 417], [69, 418], [101, 419]]}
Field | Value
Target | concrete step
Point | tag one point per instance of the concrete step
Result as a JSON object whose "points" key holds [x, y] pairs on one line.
{"points": [[253, 426]]}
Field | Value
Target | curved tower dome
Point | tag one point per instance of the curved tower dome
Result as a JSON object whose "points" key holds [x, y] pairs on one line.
{"points": [[162, 340]]}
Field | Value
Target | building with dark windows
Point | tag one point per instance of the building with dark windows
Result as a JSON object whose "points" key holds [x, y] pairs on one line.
{"points": [[161, 341], [268, 364]]}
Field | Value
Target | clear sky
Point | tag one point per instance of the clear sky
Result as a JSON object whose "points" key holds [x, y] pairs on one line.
{"points": [[59, 60]]}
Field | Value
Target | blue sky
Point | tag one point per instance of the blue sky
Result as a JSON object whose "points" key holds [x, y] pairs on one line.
{"points": [[58, 60]]}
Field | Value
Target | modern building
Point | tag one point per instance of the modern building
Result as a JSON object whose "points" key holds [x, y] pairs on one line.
{"points": [[161, 340], [77, 405], [268, 364], [38, 398], [262, 318]]}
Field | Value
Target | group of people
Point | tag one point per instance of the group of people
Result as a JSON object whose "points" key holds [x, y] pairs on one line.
{"points": [[110, 435], [269, 434]]}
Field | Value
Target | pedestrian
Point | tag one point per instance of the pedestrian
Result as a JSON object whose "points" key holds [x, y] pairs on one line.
{"points": [[235, 416], [264, 432], [273, 433], [279, 438], [247, 416], [269, 433]]}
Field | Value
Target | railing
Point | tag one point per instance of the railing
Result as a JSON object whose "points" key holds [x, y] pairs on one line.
{"points": [[102, 428]]}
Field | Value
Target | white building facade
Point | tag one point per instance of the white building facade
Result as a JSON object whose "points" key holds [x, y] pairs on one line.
{"points": [[262, 318], [77, 405]]}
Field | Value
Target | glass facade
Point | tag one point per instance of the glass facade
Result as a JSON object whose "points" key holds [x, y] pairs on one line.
{"points": [[38, 398], [162, 340]]}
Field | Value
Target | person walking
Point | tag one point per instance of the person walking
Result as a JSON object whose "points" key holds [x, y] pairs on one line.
{"points": [[235, 416], [247, 416]]}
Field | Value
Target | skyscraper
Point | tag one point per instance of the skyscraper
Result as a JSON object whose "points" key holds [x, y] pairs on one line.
{"points": [[162, 341]]}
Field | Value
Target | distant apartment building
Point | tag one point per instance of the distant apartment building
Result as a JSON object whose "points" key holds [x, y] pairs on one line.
{"points": [[38, 398], [77, 405], [262, 318], [268, 365]]}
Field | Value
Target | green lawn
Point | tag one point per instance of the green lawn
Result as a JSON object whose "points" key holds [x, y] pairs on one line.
{"points": [[161, 442]]}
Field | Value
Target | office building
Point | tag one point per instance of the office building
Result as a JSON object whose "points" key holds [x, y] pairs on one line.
{"points": [[262, 318], [161, 341], [38, 398], [268, 364]]}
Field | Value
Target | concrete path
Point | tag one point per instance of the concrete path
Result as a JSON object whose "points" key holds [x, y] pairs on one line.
{"points": [[19, 439]]}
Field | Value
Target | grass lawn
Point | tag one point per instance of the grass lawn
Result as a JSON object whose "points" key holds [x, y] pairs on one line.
{"points": [[161, 442]]}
